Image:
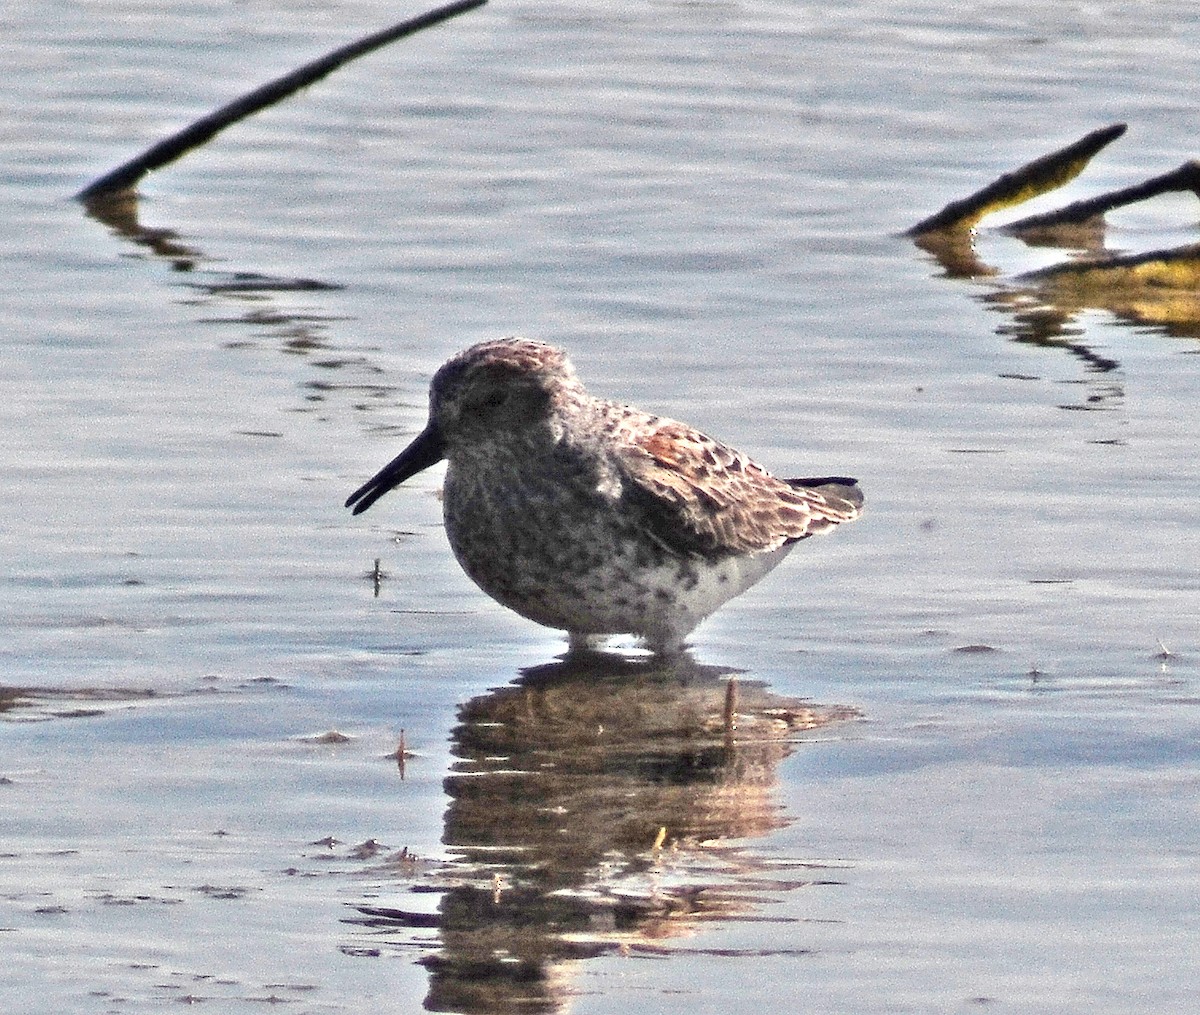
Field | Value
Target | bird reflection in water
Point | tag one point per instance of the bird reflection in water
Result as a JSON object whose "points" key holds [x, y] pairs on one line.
{"points": [[592, 810]]}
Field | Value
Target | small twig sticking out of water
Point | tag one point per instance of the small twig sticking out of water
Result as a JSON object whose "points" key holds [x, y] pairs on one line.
{"points": [[731, 698], [1034, 178], [1186, 177], [377, 577], [125, 177], [1164, 653]]}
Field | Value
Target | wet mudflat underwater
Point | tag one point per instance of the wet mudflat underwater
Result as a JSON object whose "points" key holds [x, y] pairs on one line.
{"points": [[256, 751]]}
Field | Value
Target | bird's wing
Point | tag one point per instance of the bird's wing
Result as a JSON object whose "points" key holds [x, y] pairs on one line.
{"points": [[697, 495]]}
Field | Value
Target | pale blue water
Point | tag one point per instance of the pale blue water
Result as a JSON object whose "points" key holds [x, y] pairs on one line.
{"points": [[702, 203]]}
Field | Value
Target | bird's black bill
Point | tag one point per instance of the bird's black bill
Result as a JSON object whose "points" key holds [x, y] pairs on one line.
{"points": [[423, 452]]}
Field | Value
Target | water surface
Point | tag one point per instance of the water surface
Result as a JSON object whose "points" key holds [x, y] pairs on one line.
{"points": [[978, 787]]}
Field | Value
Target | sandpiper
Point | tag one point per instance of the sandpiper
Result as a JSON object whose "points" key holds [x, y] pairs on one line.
{"points": [[593, 517]]}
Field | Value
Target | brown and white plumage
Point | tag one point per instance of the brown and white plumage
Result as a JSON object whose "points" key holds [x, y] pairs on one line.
{"points": [[593, 517], [706, 498]]}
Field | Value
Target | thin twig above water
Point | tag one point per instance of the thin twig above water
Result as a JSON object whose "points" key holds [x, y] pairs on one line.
{"points": [[125, 177]]}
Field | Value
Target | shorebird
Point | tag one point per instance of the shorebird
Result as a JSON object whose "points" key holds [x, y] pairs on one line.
{"points": [[594, 517]]}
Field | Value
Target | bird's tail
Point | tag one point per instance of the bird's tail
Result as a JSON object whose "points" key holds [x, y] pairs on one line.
{"points": [[834, 489]]}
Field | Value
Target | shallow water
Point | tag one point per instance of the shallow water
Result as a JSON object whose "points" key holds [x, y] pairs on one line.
{"points": [[993, 804]]}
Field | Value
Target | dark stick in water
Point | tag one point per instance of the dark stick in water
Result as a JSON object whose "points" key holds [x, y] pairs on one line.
{"points": [[125, 177], [1186, 177], [1031, 180]]}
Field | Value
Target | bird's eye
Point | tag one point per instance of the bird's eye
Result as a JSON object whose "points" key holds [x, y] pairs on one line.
{"points": [[488, 402], [493, 399]]}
